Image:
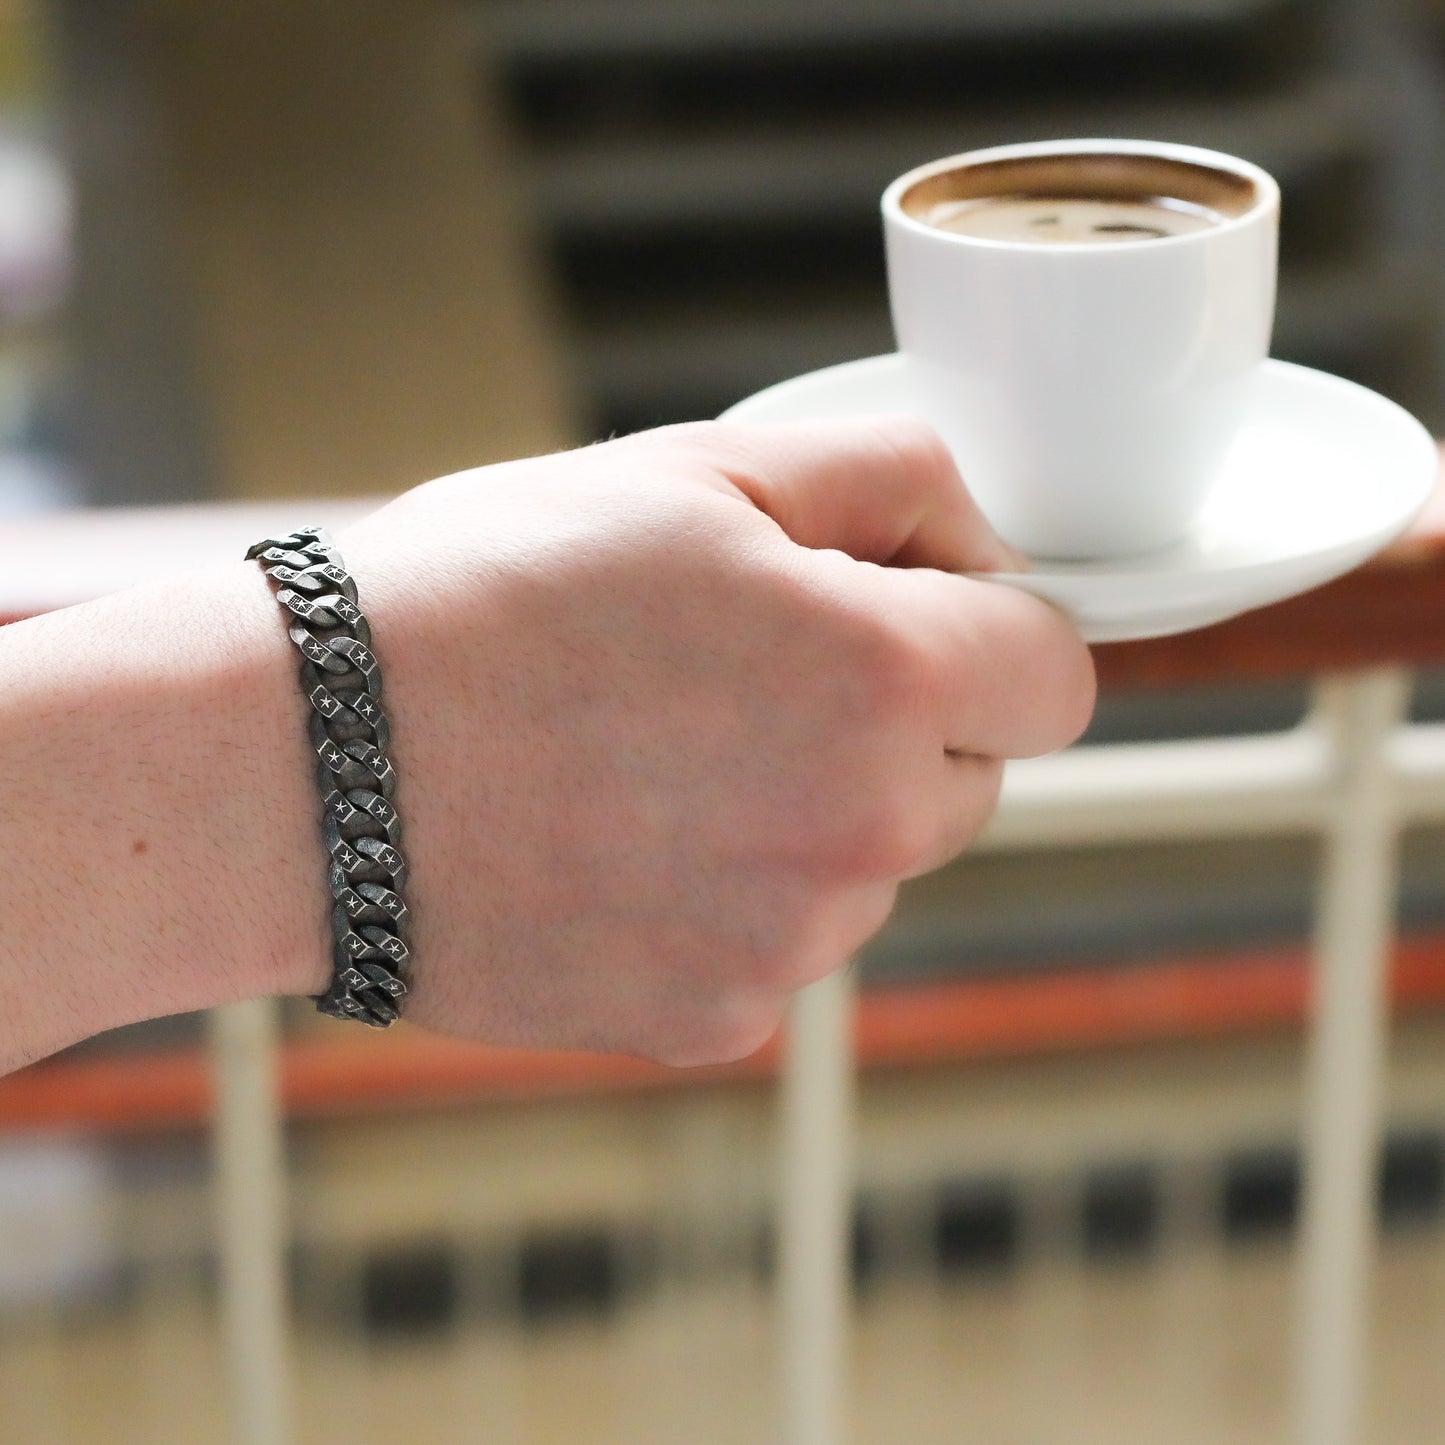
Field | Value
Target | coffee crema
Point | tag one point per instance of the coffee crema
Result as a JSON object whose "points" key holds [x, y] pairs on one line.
{"points": [[1080, 198]]}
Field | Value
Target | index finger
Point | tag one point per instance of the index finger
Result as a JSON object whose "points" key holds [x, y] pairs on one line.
{"points": [[880, 488]]}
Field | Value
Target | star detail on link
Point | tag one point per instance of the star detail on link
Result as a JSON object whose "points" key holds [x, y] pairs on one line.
{"points": [[333, 757]]}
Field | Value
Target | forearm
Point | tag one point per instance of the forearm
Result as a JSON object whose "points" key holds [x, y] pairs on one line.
{"points": [[157, 800]]}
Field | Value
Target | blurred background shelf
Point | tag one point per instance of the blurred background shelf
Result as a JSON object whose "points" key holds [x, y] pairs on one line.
{"points": [[713, 171]]}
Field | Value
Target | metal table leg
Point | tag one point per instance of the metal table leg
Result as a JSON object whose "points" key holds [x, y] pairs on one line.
{"points": [[815, 1214], [1347, 1048], [250, 1183]]}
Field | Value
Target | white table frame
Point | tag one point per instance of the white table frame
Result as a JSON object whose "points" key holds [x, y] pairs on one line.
{"points": [[1354, 774]]}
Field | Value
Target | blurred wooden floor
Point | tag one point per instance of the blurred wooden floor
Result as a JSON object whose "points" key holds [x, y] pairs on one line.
{"points": [[1189, 1349]]}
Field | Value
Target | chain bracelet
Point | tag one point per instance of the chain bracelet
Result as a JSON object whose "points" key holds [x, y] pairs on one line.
{"points": [[371, 962]]}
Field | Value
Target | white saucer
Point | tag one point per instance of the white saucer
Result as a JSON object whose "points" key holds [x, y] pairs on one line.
{"points": [[1324, 474]]}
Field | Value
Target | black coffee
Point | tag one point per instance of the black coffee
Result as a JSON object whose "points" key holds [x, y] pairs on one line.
{"points": [[1071, 220], [1080, 198]]}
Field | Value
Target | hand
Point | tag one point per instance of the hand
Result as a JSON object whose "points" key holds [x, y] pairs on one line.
{"points": [[674, 715]]}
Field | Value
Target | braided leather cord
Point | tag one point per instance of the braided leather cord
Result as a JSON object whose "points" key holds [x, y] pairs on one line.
{"points": [[371, 962]]}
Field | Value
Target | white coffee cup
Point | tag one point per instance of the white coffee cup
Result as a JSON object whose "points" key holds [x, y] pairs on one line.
{"points": [[1090, 389]]}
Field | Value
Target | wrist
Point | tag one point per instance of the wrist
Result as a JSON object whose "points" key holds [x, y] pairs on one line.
{"points": [[275, 935], [155, 746]]}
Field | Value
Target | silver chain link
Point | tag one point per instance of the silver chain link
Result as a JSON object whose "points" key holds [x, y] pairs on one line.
{"points": [[371, 963]]}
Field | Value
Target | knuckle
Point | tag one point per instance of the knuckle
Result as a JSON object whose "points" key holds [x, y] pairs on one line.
{"points": [[990, 785], [729, 1030], [685, 433], [981, 784], [816, 946], [763, 965], [861, 911], [884, 841], [905, 836], [890, 670], [791, 949], [746, 1031], [703, 436], [877, 909], [919, 449], [713, 443]]}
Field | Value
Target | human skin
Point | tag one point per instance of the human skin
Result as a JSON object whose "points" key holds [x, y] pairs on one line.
{"points": [[672, 717]]}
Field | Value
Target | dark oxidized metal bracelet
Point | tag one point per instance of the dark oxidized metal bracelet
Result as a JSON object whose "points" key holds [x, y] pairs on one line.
{"points": [[371, 963]]}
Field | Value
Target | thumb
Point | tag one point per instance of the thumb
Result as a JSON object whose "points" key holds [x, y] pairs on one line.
{"points": [[880, 488]]}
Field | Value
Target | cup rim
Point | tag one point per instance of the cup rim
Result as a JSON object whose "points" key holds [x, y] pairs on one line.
{"points": [[1266, 187]]}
